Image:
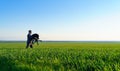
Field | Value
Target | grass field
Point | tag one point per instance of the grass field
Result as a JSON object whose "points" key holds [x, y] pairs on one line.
{"points": [[60, 56]]}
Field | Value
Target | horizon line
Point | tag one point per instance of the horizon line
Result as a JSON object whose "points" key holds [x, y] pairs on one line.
{"points": [[64, 40]]}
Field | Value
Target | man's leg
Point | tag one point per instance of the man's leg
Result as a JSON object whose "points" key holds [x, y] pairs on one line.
{"points": [[27, 44]]}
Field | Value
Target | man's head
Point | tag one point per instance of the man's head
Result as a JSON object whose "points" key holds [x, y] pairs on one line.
{"points": [[29, 31]]}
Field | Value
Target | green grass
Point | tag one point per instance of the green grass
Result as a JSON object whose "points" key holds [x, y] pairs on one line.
{"points": [[60, 56]]}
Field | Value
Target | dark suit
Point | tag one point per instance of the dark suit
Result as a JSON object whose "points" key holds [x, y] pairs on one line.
{"points": [[28, 41]]}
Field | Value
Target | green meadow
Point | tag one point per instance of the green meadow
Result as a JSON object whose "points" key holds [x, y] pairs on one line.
{"points": [[60, 56]]}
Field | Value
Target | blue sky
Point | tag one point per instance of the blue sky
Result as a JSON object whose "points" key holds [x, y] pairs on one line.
{"points": [[60, 19]]}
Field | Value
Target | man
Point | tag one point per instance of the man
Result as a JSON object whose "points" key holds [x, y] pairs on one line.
{"points": [[29, 42]]}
